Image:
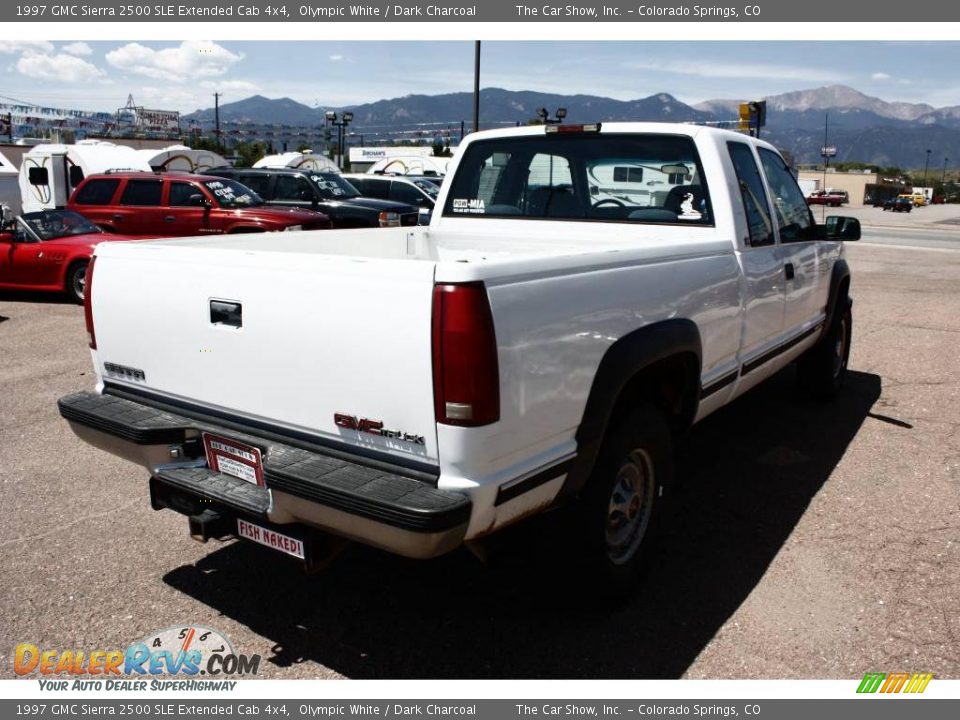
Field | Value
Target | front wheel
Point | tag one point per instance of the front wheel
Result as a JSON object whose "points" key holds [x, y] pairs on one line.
{"points": [[622, 503], [823, 368], [76, 284]]}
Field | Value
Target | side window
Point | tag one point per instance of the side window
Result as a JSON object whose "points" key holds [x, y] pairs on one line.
{"points": [[402, 192], [180, 194], [753, 194], [292, 187], [97, 192], [142, 193], [379, 189], [793, 215], [260, 184]]}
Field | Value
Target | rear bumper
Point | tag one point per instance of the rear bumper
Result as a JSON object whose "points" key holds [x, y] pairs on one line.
{"points": [[308, 487]]}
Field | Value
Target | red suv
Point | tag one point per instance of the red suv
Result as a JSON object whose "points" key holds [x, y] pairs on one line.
{"points": [[175, 204]]}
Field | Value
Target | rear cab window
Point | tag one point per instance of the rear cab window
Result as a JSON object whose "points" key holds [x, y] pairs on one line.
{"points": [[629, 178], [97, 192]]}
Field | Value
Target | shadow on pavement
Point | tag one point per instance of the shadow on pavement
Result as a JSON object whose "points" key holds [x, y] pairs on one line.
{"points": [[747, 474], [47, 298]]}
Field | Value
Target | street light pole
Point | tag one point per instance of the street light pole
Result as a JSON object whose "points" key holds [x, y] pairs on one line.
{"points": [[476, 87], [943, 175], [925, 168]]}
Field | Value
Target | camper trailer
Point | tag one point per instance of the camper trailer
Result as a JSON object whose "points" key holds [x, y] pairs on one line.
{"points": [[303, 161], [9, 188], [410, 165], [49, 173], [182, 159]]}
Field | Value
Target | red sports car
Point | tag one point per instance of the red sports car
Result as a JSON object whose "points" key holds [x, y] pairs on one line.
{"points": [[49, 250]]}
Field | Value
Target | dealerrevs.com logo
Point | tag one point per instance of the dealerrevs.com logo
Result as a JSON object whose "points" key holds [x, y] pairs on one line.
{"points": [[185, 653], [898, 682]]}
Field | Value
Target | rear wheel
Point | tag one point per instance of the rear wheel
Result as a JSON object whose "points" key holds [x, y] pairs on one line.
{"points": [[622, 502], [76, 284], [823, 367]]}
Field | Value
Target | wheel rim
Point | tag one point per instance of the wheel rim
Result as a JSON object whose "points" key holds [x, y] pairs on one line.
{"points": [[80, 282], [840, 349], [630, 507]]}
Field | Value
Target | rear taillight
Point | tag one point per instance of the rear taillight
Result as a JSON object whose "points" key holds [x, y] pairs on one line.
{"points": [[88, 303], [389, 219], [466, 379]]}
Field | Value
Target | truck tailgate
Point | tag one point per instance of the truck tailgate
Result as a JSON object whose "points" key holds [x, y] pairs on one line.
{"points": [[318, 335]]}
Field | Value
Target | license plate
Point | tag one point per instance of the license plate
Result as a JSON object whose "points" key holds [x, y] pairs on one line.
{"points": [[272, 539], [234, 458]]}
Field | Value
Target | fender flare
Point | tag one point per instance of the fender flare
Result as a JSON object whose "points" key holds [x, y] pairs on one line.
{"points": [[623, 361], [840, 272]]}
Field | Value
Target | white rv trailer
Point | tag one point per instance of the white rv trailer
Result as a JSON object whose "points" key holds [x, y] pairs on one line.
{"points": [[49, 173], [9, 188], [304, 161], [182, 158]]}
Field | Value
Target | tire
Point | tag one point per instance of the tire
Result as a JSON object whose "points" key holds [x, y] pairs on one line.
{"points": [[76, 283], [823, 368], [620, 508]]}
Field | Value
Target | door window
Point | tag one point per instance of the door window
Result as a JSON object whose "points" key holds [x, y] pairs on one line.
{"points": [[260, 184], [181, 192], [142, 193], [752, 192], [402, 192], [292, 187], [793, 214]]}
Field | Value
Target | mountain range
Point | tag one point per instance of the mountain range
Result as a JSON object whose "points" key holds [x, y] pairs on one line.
{"points": [[863, 128]]}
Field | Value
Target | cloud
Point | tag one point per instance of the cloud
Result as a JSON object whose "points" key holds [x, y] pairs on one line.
{"points": [[63, 68], [336, 58], [78, 49], [191, 60], [11, 47], [879, 76], [716, 69]]}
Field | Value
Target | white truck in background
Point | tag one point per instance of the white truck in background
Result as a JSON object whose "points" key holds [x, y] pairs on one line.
{"points": [[413, 389]]}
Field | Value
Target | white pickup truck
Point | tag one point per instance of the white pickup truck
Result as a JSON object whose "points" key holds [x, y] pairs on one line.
{"points": [[581, 297]]}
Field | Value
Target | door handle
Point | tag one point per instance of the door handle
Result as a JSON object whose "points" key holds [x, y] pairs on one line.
{"points": [[788, 271], [169, 218]]}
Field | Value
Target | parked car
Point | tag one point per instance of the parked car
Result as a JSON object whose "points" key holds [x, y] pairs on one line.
{"points": [[329, 192], [526, 351], [919, 199], [178, 204], [901, 203], [48, 250], [824, 197], [419, 192]]}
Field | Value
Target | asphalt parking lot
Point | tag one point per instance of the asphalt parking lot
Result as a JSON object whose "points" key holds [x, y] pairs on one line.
{"points": [[806, 540]]}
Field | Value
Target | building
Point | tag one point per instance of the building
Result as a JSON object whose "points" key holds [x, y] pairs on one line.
{"points": [[862, 186]]}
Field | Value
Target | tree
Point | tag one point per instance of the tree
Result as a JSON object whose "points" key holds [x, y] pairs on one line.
{"points": [[248, 153], [304, 147]]}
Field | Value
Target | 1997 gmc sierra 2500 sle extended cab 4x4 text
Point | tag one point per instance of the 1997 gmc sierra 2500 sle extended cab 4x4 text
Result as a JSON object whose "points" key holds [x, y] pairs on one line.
{"points": [[581, 297]]}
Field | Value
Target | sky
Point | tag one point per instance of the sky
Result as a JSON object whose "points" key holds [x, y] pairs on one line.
{"points": [[184, 76]]}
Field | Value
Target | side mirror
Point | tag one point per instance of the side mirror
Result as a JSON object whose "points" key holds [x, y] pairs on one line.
{"points": [[842, 228], [198, 200]]}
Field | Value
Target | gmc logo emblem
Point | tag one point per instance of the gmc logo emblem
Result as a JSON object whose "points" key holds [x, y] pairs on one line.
{"points": [[350, 422], [375, 427]]}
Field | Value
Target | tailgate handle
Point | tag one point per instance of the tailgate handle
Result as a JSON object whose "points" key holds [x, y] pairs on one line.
{"points": [[225, 312]]}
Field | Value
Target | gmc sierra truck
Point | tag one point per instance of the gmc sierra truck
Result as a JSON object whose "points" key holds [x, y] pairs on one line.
{"points": [[581, 297]]}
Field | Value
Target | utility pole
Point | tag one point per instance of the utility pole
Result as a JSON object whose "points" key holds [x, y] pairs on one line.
{"points": [[476, 87], [925, 168], [943, 177], [216, 115], [826, 162]]}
